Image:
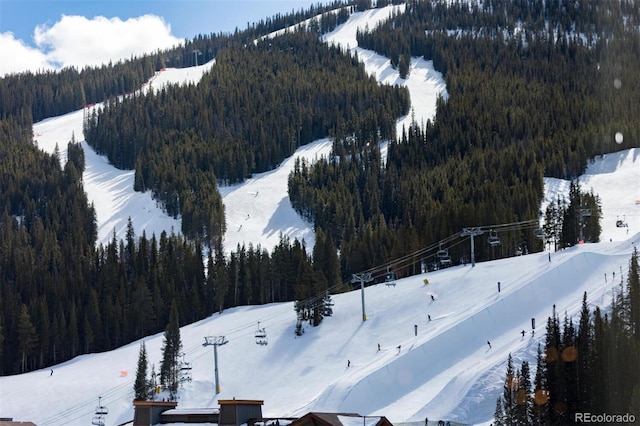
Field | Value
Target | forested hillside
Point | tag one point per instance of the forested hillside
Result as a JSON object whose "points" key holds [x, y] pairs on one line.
{"points": [[535, 88], [47, 236], [62, 296], [259, 103], [522, 104]]}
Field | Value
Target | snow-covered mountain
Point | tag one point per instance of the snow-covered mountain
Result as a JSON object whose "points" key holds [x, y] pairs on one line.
{"points": [[444, 370], [258, 210]]}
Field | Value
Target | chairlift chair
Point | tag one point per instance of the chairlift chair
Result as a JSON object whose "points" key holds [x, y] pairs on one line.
{"points": [[442, 253], [186, 376], [101, 410], [261, 335], [98, 421], [493, 239], [540, 234], [620, 223], [390, 278]]}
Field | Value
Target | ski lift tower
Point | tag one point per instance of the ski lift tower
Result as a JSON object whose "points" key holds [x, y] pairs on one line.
{"points": [[215, 341], [196, 52], [472, 232], [365, 277]]}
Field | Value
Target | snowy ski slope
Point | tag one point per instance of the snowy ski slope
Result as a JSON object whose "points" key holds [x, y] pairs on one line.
{"points": [[446, 371]]}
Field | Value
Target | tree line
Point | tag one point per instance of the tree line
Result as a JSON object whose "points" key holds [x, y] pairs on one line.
{"points": [[255, 108], [60, 295], [578, 219], [520, 106], [113, 294], [584, 367], [527, 97]]}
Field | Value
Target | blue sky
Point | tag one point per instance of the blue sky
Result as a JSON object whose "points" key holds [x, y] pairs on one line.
{"points": [[186, 17], [34, 35]]}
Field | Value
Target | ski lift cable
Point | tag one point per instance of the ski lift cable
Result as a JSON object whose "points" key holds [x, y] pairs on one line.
{"points": [[379, 271], [424, 252], [285, 314], [123, 391], [85, 408], [410, 257], [247, 330]]}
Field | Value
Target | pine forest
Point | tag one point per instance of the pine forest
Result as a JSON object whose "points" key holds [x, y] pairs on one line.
{"points": [[531, 94]]}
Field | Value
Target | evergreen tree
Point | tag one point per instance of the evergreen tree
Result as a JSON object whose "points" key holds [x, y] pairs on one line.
{"points": [[599, 362], [172, 345], [524, 403], [509, 393], [584, 372], [498, 415], [571, 219], [27, 338], [1, 340], [141, 384], [633, 291], [569, 365], [553, 222], [152, 383], [541, 393], [555, 370]]}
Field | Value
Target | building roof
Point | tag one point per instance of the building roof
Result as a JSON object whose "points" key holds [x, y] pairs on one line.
{"points": [[341, 419], [240, 402], [172, 404], [12, 423], [191, 411]]}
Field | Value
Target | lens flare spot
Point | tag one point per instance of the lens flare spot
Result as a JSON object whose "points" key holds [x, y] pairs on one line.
{"points": [[541, 397], [570, 354]]}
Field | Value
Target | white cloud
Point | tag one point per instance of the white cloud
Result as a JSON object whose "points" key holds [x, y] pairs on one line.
{"points": [[17, 56], [78, 41]]}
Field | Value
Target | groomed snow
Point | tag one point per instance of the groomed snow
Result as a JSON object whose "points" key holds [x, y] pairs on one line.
{"points": [[446, 371]]}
